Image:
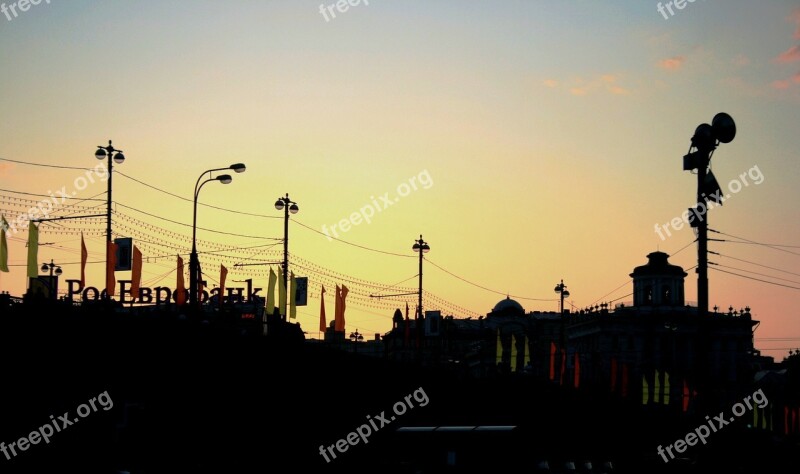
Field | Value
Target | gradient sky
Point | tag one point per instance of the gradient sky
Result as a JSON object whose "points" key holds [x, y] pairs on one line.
{"points": [[552, 131]]}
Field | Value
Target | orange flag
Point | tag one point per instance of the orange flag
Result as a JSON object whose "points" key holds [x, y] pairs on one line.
{"points": [[223, 274], [577, 370], [111, 262], [552, 360], [84, 256], [180, 287], [344, 303], [322, 310], [337, 318], [136, 272], [685, 396]]}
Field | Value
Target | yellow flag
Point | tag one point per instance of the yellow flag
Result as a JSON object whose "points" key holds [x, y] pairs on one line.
{"points": [[499, 348], [526, 356], [666, 388], [645, 391], [271, 291], [3, 245], [33, 251], [281, 293], [292, 299]]}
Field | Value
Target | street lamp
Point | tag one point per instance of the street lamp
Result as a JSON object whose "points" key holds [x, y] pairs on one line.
{"points": [[287, 206], [421, 247], [113, 155], [562, 288], [194, 264], [54, 269], [356, 337]]}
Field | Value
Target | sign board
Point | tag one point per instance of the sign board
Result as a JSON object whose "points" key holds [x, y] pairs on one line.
{"points": [[301, 295], [124, 254]]}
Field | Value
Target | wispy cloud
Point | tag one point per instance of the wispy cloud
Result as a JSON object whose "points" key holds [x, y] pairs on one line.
{"points": [[673, 63], [790, 55], [795, 18], [551, 83], [5, 168], [781, 85]]}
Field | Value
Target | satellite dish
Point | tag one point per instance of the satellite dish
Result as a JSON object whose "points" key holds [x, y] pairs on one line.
{"points": [[724, 127]]}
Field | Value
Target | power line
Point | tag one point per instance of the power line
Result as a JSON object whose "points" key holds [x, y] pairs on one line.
{"points": [[756, 279], [350, 243], [484, 288], [46, 166], [754, 273], [199, 203], [754, 263], [753, 242]]}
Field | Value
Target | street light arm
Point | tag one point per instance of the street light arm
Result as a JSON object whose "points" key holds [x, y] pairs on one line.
{"points": [[196, 190]]}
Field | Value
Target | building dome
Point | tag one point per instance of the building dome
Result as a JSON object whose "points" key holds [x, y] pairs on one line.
{"points": [[658, 283], [508, 305]]}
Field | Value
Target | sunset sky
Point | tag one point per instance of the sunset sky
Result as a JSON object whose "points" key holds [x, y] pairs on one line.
{"points": [[549, 136]]}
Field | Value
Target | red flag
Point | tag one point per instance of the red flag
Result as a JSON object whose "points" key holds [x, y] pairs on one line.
{"points": [[408, 327], [344, 304], [136, 272], [577, 370], [418, 319], [84, 255], [624, 380], [786, 420], [322, 322], [613, 374], [111, 263], [552, 360], [223, 274], [686, 396], [180, 286]]}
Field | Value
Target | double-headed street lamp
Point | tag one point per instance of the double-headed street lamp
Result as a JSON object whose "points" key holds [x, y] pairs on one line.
{"points": [[356, 337], [194, 264], [421, 247], [113, 155], [562, 288], [54, 269], [287, 206]]}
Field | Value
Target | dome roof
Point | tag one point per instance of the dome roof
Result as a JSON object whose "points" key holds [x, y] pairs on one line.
{"points": [[508, 305], [658, 265]]}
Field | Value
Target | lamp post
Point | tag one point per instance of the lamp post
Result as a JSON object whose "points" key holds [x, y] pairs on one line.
{"points": [[113, 155], [421, 247], [194, 264], [562, 288], [54, 269], [356, 337], [287, 206], [706, 139]]}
